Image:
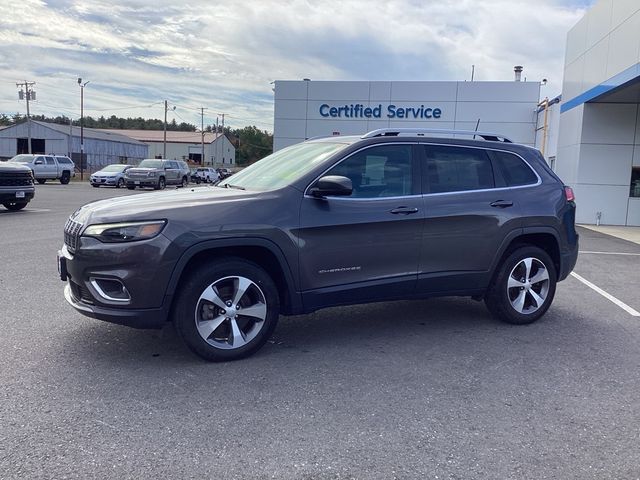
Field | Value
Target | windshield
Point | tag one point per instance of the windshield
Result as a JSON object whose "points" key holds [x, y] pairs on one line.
{"points": [[284, 166], [22, 159], [114, 168], [150, 164]]}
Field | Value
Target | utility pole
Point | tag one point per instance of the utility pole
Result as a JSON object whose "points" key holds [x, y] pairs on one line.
{"points": [[164, 147], [82, 85], [27, 94], [202, 160], [222, 146], [215, 161]]}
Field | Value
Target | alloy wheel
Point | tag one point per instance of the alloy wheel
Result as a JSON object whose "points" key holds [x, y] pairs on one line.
{"points": [[528, 285]]}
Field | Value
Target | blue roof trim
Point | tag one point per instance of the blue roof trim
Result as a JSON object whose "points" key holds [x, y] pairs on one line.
{"points": [[614, 82]]}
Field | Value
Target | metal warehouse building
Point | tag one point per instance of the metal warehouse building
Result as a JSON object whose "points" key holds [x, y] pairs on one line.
{"points": [[599, 138], [306, 109], [218, 150], [100, 147]]}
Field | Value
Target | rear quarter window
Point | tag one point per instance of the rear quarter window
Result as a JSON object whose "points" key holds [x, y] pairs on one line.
{"points": [[513, 169]]}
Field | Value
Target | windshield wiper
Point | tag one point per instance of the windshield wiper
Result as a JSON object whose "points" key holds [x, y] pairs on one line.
{"points": [[237, 187]]}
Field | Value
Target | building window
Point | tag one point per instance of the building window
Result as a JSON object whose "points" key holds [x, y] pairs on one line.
{"points": [[122, 160], [635, 182]]}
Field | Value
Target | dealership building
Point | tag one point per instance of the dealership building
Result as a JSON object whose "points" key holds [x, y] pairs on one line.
{"points": [[306, 109], [598, 150]]}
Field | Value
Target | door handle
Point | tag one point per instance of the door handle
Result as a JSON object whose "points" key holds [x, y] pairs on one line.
{"points": [[403, 210], [502, 203]]}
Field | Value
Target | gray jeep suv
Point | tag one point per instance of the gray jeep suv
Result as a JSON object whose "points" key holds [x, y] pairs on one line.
{"points": [[394, 214]]}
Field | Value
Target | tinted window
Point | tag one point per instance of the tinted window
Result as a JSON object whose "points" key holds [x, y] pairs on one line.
{"points": [[513, 169], [382, 171], [456, 169], [63, 160], [50, 161]]}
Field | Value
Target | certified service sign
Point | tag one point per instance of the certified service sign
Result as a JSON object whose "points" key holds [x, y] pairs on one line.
{"points": [[358, 110]]}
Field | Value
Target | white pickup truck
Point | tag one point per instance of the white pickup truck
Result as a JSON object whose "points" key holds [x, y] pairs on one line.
{"points": [[48, 167]]}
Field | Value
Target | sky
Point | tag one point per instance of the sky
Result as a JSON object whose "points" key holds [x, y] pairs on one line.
{"points": [[224, 55]]}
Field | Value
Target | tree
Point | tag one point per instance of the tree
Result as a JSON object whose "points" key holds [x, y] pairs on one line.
{"points": [[252, 144]]}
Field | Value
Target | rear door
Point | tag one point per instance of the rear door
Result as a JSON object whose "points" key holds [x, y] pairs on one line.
{"points": [[172, 172], [366, 246], [468, 213], [51, 167]]}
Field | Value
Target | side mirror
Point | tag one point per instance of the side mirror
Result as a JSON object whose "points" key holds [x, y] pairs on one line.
{"points": [[332, 186]]}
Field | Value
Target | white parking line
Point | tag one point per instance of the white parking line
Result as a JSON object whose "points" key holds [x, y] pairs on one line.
{"points": [[608, 296], [610, 253]]}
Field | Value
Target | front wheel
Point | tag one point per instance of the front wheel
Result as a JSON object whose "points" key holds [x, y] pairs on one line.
{"points": [[227, 310], [523, 287], [41, 180], [185, 182], [15, 206], [120, 183], [131, 187], [161, 184]]}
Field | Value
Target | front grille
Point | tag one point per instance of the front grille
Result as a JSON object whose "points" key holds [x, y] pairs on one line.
{"points": [[137, 174], [16, 179], [72, 234], [80, 293]]}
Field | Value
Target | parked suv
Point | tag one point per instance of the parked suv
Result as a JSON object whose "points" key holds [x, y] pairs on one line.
{"points": [[157, 174], [394, 214], [16, 185], [48, 167]]}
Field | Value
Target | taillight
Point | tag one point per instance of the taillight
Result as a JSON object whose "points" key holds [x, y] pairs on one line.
{"points": [[568, 192]]}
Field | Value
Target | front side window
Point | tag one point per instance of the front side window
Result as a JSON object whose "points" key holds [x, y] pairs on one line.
{"points": [[457, 169], [381, 171]]}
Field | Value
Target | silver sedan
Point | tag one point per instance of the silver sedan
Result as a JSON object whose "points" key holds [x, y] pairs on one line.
{"points": [[112, 175]]}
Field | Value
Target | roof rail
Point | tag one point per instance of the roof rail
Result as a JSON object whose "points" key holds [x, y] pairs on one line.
{"points": [[421, 132]]}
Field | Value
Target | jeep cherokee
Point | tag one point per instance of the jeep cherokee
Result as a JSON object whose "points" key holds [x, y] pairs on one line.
{"points": [[394, 214]]}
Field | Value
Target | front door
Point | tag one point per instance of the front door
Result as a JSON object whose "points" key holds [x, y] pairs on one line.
{"points": [[365, 246]]}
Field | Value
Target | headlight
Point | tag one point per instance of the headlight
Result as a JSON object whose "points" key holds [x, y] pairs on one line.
{"points": [[124, 232], [151, 174]]}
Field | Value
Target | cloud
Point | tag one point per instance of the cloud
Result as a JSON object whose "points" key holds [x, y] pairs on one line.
{"points": [[223, 56]]}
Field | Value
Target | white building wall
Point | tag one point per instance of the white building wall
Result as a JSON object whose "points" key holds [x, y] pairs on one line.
{"points": [[598, 141], [218, 153], [507, 108], [55, 142], [547, 141]]}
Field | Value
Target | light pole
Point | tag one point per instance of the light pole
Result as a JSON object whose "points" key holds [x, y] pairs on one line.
{"points": [[82, 85]]}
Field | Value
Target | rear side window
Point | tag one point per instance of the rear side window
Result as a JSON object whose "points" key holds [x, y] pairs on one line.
{"points": [[515, 171], [63, 160], [50, 161], [457, 169]]}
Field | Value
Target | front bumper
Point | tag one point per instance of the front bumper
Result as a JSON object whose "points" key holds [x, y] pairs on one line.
{"points": [[151, 318], [142, 182], [103, 181]]}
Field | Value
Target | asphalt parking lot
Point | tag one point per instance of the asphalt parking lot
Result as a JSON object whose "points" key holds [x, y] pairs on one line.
{"points": [[433, 389]]}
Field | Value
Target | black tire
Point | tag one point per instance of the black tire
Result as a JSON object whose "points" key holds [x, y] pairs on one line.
{"points": [[15, 206], [189, 309], [65, 178], [198, 181], [120, 183], [161, 184], [185, 182], [95, 185], [131, 187], [41, 180], [502, 300]]}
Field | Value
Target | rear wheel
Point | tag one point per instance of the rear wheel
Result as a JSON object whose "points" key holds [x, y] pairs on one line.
{"points": [[227, 310], [41, 180], [523, 287], [64, 179], [15, 206]]}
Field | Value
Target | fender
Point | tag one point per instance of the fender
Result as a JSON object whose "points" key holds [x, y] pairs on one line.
{"points": [[296, 302], [514, 234]]}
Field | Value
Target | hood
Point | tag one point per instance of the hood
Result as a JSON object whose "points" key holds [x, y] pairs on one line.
{"points": [[164, 205], [12, 167]]}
